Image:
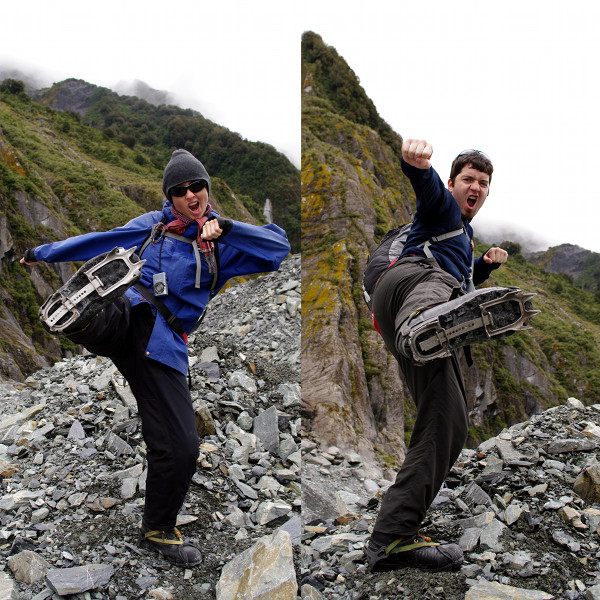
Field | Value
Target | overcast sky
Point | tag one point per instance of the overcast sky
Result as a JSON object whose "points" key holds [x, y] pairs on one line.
{"points": [[236, 62], [517, 79]]}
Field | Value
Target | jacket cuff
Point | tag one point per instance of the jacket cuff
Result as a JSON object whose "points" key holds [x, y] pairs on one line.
{"points": [[29, 255], [225, 225]]}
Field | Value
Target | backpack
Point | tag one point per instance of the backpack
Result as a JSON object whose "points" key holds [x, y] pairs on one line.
{"points": [[389, 251]]}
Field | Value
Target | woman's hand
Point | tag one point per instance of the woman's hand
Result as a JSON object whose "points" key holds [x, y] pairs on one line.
{"points": [[211, 230]]}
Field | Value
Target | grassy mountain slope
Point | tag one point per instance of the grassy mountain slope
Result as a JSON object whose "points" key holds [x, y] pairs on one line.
{"points": [[580, 265], [60, 177], [254, 169], [353, 191]]}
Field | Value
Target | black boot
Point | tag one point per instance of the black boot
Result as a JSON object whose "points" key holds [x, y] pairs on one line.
{"points": [[413, 551], [171, 545]]}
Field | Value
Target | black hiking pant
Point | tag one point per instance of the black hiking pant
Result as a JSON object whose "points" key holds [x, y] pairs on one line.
{"points": [[121, 332], [437, 388]]}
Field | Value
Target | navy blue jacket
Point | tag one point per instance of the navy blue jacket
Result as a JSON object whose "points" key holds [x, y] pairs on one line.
{"points": [[437, 213], [245, 249]]}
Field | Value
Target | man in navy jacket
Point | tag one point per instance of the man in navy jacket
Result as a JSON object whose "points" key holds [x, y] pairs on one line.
{"points": [[440, 278]]}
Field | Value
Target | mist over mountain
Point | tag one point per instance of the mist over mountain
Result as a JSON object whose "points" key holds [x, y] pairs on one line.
{"points": [[493, 233], [140, 89]]}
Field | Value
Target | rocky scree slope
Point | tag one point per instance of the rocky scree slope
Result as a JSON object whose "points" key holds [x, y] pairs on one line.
{"points": [[353, 191], [72, 465], [524, 506]]}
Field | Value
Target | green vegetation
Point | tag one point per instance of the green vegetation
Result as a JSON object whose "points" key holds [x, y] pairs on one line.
{"points": [[58, 170], [339, 89], [253, 169]]}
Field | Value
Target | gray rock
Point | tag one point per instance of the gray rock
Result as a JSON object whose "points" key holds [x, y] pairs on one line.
{"points": [[475, 495], [37, 516], [493, 468], [490, 535], [125, 394], [294, 527], [79, 579], [21, 417], [103, 380], [8, 589], [563, 539], [310, 593], [287, 447], [236, 518], [246, 490], [341, 541], [263, 572], [518, 560], [241, 380], [571, 445], [209, 355], [27, 566], [245, 421], [128, 487], [592, 593], [575, 403], [76, 432], [512, 513], [267, 430], [269, 511], [291, 394], [469, 539], [492, 590], [116, 445]]}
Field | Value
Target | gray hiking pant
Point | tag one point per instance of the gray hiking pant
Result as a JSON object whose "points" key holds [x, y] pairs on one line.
{"points": [[437, 389]]}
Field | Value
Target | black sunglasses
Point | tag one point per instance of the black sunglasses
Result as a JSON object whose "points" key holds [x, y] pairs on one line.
{"points": [[181, 190]]}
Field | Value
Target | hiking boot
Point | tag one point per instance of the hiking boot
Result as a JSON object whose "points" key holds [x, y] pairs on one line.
{"points": [[416, 551], [475, 317], [171, 545], [100, 281]]}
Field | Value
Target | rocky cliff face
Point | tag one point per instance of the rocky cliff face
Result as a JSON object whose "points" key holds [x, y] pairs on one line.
{"points": [[351, 189], [566, 258], [72, 94]]}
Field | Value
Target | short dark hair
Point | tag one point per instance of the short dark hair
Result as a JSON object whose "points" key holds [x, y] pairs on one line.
{"points": [[477, 159]]}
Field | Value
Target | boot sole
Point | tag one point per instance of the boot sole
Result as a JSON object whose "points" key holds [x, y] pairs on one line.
{"points": [[493, 313], [100, 281]]}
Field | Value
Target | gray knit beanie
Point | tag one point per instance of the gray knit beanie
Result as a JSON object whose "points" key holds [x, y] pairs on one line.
{"points": [[183, 167]]}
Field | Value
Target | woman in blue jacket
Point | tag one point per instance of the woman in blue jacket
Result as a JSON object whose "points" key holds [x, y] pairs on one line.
{"points": [[189, 252]]}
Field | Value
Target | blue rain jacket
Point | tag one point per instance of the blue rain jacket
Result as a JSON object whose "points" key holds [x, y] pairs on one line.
{"points": [[437, 212], [243, 250]]}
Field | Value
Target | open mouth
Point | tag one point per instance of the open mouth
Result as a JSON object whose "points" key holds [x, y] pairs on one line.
{"points": [[194, 206], [471, 202]]}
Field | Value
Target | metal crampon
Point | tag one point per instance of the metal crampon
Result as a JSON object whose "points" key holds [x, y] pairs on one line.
{"points": [[95, 285], [476, 317]]}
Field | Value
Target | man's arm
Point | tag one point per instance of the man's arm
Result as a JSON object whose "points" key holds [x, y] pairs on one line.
{"points": [[484, 265]]}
